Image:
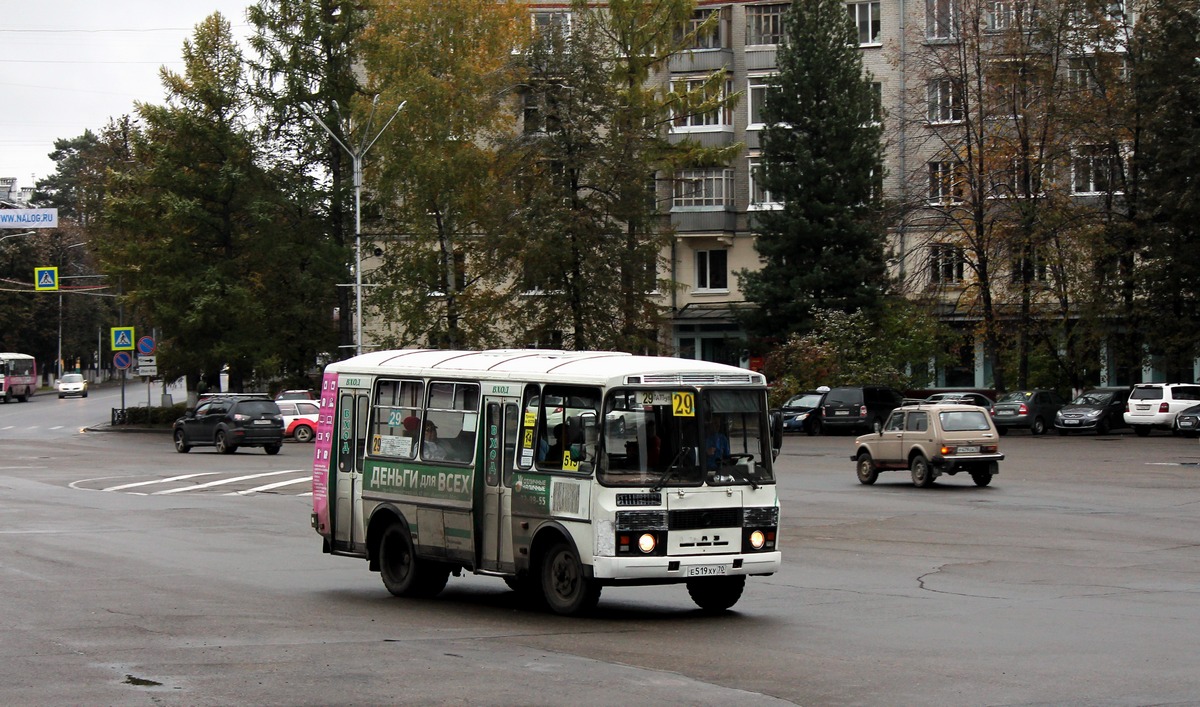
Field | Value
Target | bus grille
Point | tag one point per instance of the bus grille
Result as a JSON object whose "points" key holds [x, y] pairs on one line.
{"points": [[705, 518], [639, 499]]}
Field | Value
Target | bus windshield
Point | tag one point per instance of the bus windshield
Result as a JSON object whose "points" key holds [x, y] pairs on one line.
{"points": [[662, 438]]}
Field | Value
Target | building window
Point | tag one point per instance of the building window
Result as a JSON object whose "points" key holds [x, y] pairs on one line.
{"points": [[551, 21], [704, 188], [1096, 170], [712, 270], [945, 101], [876, 103], [865, 16], [764, 23], [945, 182], [716, 118], [1035, 265], [711, 38], [756, 99], [1007, 14], [1014, 178], [760, 196], [941, 19], [946, 263]]}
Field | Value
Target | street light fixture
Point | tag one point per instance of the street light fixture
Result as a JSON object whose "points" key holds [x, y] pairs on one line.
{"points": [[14, 235], [356, 157]]}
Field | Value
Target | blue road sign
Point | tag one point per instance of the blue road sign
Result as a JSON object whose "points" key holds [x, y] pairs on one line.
{"points": [[122, 338], [122, 360], [145, 345], [45, 279]]}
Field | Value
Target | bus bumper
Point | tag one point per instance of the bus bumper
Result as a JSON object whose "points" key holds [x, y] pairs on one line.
{"points": [[683, 568]]}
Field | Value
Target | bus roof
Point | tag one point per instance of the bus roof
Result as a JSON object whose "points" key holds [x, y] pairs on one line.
{"points": [[15, 355], [599, 367]]}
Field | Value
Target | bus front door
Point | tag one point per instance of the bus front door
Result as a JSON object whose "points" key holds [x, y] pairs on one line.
{"points": [[493, 516]]}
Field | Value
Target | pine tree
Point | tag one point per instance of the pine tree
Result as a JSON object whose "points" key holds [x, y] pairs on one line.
{"points": [[822, 159], [1169, 79]]}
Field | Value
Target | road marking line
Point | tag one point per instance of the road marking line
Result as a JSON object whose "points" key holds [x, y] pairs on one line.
{"points": [[159, 481], [220, 482], [268, 487]]}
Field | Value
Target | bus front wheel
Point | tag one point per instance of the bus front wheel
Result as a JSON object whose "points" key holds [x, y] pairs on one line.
{"points": [[716, 594], [565, 587], [403, 574]]}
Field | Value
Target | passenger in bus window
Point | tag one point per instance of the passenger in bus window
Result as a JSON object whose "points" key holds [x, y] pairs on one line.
{"points": [[716, 444], [653, 445], [554, 455], [430, 449]]}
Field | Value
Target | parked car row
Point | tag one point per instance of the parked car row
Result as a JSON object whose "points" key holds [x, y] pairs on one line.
{"points": [[1143, 408]]}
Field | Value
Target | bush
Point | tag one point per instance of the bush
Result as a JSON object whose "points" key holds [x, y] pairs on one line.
{"points": [[154, 416]]}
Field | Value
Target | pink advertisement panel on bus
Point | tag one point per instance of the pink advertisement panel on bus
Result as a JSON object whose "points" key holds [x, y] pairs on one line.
{"points": [[323, 451]]}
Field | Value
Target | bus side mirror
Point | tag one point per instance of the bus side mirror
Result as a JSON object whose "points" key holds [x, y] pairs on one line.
{"points": [[776, 430]]}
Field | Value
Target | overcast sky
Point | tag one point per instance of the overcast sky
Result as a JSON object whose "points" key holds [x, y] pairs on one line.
{"points": [[69, 65]]}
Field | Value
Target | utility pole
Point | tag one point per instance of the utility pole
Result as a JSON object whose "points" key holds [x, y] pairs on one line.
{"points": [[356, 157]]}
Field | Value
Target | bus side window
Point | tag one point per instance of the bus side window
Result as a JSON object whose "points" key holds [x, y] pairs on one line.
{"points": [[362, 408], [512, 427]]}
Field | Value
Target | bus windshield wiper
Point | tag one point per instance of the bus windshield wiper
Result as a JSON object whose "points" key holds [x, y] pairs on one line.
{"points": [[671, 468]]}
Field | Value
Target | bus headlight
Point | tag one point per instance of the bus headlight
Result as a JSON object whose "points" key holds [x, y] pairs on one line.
{"points": [[757, 539], [647, 542]]}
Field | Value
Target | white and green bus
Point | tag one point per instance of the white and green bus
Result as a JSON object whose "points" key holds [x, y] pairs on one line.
{"points": [[560, 472]]}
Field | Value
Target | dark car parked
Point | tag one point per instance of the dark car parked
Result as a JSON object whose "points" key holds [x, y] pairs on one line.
{"points": [[801, 412], [861, 408], [1097, 409], [229, 422], [1187, 422], [1030, 409]]}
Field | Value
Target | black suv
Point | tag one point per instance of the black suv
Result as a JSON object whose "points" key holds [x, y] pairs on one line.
{"points": [[861, 408], [229, 422]]}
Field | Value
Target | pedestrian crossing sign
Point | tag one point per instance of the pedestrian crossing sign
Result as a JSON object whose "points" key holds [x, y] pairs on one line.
{"points": [[122, 338], [45, 279]]}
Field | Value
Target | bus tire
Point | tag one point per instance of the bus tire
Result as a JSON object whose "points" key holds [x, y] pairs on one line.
{"points": [[397, 560], [716, 594], [565, 587], [403, 574]]}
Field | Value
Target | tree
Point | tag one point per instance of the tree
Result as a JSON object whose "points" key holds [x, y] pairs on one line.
{"points": [[1169, 80], [892, 346], [595, 133], [203, 239], [306, 52], [437, 172], [822, 159]]}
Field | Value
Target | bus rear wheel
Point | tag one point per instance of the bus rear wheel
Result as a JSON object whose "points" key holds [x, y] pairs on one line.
{"points": [[403, 574], [716, 594], [565, 588]]}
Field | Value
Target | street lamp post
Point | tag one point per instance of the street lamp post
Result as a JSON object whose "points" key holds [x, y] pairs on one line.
{"points": [[14, 235], [58, 364], [356, 157]]}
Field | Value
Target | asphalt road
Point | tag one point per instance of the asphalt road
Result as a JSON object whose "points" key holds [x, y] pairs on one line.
{"points": [[1073, 579]]}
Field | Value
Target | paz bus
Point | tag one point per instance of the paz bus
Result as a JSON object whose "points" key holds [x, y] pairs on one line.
{"points": [[560, 472], [18, 377]]}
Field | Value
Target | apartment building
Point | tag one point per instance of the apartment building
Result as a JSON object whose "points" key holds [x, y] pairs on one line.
{"points": [[713, 211]]}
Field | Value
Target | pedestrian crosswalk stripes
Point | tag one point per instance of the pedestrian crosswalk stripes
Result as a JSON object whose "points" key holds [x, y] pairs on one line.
{"points": [[230, 482]]}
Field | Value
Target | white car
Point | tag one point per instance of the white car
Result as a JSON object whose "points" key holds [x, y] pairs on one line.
{"points": [[299, 419], [1155, 405], [72, 384]]}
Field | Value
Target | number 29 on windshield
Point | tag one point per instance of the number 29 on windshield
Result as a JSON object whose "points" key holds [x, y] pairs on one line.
{"points": [[683, 404]]}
